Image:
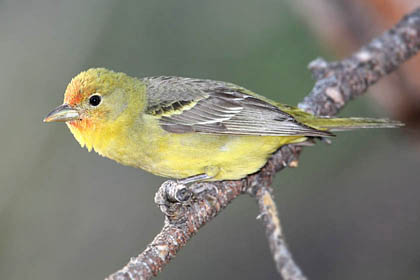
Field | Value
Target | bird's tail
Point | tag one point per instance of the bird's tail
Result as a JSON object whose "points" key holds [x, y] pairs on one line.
{"points": [[342, 124]]}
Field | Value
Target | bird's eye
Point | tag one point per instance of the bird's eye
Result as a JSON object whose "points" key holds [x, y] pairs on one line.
{"points": [[95, 100]]}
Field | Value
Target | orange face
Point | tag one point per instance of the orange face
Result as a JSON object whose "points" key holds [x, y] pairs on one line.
{"points": [[77, 94], [85, 95]]}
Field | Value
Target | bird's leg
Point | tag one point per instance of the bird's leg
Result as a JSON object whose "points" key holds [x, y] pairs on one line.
{"points": [[209, 173], [195, 178]]}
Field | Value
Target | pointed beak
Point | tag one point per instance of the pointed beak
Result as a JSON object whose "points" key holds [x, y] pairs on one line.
{"points": [[62, 113]]}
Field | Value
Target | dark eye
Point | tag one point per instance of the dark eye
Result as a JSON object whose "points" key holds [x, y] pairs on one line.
{"points": [[95, 100]]}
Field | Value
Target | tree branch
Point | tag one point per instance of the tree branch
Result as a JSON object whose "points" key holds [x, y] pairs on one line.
{"points": [[337, 83]]}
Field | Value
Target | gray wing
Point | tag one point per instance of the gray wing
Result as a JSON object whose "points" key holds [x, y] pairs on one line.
{"points": [[204, 106]]}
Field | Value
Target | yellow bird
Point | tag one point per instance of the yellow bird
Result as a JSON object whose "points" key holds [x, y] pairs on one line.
{"points": [[184, 127]]}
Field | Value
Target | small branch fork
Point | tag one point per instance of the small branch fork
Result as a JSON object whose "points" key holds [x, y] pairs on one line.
{"points": [[188, 209]]}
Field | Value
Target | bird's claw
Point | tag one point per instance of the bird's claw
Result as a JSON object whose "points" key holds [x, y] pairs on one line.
{"points": [[171, 197]]}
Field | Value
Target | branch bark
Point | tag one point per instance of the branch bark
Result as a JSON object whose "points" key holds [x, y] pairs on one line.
{"points": [[337, 83]]}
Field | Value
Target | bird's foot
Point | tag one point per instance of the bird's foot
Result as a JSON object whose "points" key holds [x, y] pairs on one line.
{"points": [[174, 197]]}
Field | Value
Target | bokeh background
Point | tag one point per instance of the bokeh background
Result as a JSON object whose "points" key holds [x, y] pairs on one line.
{"points": [[350, 211]]}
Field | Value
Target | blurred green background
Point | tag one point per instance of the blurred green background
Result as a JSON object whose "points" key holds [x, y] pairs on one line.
{"points": [[350, 211]]}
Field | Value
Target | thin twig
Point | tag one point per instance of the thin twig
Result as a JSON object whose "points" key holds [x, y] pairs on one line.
{"points": [[337, 83], [285, 264]]}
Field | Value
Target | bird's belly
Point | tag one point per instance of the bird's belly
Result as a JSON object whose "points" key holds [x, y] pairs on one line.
{"points": [[223, 157]]}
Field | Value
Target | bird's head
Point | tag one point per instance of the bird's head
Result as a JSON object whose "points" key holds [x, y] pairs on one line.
{"points": [[97, 104]]}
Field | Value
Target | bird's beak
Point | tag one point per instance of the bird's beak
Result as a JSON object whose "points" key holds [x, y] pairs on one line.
{"points": [[62, 113]]}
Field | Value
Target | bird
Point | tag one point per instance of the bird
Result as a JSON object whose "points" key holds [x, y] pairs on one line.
{"points": [[186, 128]]}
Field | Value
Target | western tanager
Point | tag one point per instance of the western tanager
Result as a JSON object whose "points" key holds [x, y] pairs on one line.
{"points": [[184, 127]]}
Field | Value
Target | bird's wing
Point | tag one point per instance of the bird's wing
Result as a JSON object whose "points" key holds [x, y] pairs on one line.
{"points": [[204, 106]]}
